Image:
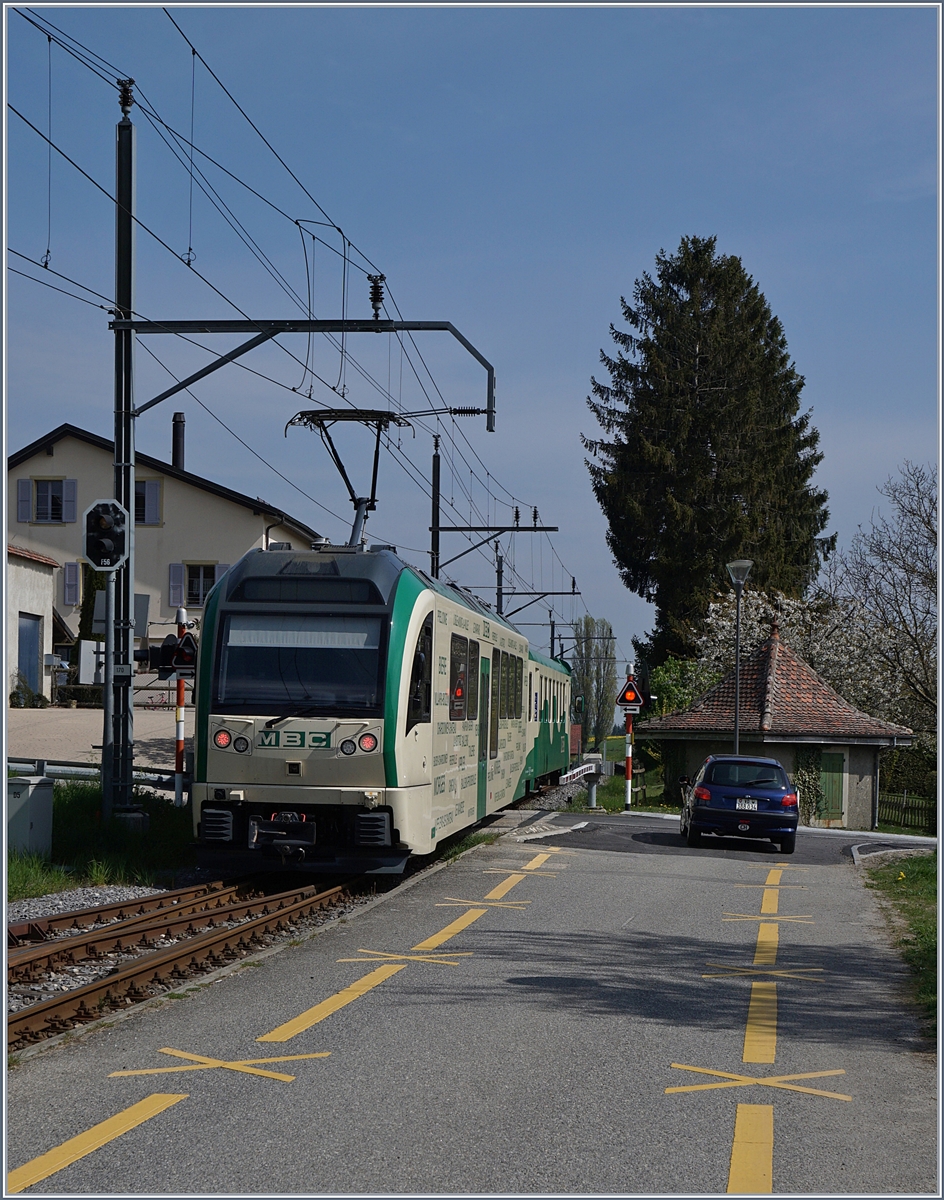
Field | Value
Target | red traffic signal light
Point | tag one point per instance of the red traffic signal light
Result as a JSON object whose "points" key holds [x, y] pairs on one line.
{"points": [[106, 536], [185, 655], [630, 695]]}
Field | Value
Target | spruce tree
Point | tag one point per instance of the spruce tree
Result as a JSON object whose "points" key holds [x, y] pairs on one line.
{"points": [[705, 456]]}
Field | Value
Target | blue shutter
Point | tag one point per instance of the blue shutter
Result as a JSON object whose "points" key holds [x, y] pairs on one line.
{"points": [[71, 584], [152, 502], [24, 499], [175, 589], [221, 569], [69, 493]]}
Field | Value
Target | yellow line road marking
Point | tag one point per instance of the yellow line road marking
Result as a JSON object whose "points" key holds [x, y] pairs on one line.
{"points": [[752, 1155], [804, 919], [765, 953], [760, 1037], [502, 889], [537, 861], [205, 1064], [452, 901], [312, 1016], [770, 901], [774, 1081], [773, 878], [99, 1135], [780, 972], [443, 959], [451, 929]]}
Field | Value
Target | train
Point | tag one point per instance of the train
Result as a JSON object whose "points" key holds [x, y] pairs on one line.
{"points": [[351, 711]]}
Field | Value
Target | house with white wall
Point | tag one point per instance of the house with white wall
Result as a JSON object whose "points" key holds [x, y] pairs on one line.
{"points": [[187, 529], [30, 589]]}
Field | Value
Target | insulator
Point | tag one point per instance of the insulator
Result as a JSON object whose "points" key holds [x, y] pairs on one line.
{"points": [[534, 514], [517, 515], [376, 293], [466, 412]]}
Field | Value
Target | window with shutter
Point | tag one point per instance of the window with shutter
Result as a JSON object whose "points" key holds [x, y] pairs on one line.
{"points": [[24, 499], [71, 584], [70, 489], [147, 502], [175, 587], [221, 569]]}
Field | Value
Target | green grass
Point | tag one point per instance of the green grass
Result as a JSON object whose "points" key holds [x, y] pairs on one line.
{"points": [[449, 851], [909, 830], [910, 886], [611, 796], [86, 853]]}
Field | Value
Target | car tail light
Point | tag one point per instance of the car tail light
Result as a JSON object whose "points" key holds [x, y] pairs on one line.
{"points": [[790, 800], [367, 742], [222, 739], [702, 795]]}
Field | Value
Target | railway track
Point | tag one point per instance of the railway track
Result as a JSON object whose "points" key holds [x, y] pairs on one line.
{"points": [[145, 947]]}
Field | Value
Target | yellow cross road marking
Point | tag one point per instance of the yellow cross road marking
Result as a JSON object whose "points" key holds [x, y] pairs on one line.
{"points": [[779, 885], [760, 1036], [201, 1063], [537, 861], [805, 919], [765, 953], [783, 866], [451, 902], [312, 1016], [99, 1135], [775, 1081], [443, 959], [502, 889], [549, 874], [780, 972], [751, 1171], [451, 930]]}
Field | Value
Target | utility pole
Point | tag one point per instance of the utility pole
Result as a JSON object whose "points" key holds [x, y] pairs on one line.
{"points": [[122, 693], [434, 528]]}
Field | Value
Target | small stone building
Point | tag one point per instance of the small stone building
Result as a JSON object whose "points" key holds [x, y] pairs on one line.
{"points": [[788, 713], [30, 589]]}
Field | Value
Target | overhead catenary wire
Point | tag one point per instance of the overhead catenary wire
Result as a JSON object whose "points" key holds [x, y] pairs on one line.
{"points": [[348, 246]]}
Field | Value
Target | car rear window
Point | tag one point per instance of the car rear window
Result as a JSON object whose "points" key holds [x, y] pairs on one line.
{"points": [[742, 774]]}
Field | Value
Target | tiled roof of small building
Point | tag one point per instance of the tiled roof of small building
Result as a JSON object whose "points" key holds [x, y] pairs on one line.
{"points": [[780, 695], [22, 552]]}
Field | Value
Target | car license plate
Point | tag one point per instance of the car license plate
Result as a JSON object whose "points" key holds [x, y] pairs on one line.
{"points": [[749, 805]]}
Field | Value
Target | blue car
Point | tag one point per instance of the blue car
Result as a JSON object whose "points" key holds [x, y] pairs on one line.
{"points": [[736, 796]]}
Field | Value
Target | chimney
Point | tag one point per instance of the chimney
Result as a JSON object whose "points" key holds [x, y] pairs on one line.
{"points": [[177, 445]]}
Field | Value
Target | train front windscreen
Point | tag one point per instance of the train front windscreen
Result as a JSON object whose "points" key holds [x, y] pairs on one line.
{"points": [[292, 663]]}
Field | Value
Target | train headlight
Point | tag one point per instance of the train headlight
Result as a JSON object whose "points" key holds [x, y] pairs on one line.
{"points": [[222, 739], [367, 742], [347, 746], [241, 744]]}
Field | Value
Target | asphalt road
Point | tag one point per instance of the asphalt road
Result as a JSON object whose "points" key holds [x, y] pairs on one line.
{"points": [[527, 1048]]}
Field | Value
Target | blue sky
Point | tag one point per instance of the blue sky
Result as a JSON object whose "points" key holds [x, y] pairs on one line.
{"points": [[513, 171]]}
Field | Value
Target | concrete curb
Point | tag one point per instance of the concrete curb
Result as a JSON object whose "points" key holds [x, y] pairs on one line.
{"points": [[904, 851]]}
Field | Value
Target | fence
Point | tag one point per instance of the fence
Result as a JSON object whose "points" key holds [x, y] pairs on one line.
{"points": [[910, 812]]}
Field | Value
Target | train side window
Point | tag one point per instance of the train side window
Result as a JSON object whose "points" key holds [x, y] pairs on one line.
{"points": [[472, 687], [419, 709], [458, 676], [518, 665], [531, 693], [496, 689], [505, 686]]}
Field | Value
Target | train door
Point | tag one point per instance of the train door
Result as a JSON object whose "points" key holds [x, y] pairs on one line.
{"points": [[482, 793]]}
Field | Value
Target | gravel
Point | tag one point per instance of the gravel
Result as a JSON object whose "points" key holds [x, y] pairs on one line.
{"points": [[76, 898]]}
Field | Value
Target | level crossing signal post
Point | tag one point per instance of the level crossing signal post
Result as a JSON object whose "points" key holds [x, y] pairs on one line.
{"points": [[631, 702]]}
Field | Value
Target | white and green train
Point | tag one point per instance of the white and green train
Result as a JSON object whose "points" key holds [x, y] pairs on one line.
{"points": [[351, 711]]}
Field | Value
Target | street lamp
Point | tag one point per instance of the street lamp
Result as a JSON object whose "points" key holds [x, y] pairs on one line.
{"points": [[739, 571]]}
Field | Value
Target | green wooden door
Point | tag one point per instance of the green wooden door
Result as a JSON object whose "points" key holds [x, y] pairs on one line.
{"points": [[830, 782], [482, 793]]}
